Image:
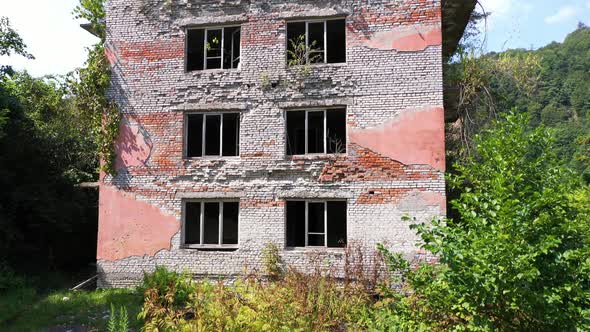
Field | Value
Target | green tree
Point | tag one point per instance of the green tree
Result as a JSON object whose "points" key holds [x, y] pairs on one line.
{"points": [[518, 255], [44, 153]]}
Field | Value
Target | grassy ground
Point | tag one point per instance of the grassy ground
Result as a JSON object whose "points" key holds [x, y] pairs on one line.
{"points": [[24, 310]]}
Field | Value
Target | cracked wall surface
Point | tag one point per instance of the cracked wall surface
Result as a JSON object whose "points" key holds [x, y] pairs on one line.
{"points": [[391, 86]]}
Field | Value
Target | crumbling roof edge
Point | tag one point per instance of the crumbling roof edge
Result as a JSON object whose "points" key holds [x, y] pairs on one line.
{"points": [[455, 17]]}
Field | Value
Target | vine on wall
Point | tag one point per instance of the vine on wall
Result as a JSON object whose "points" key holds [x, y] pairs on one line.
{"points": [[91, 85]]}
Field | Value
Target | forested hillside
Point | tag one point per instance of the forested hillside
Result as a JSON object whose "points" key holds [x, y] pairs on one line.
{"points": [[551, 85], [562, 99]]}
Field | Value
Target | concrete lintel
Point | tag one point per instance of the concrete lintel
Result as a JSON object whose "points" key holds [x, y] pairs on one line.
{"points": [[197, 22], [316, 103], [211, 107], [311, 194], [210, 195], [315, 14]]}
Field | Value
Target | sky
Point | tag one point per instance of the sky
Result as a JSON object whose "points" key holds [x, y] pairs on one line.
{"points": [[531, 23], [51, 34], [58, 43]]}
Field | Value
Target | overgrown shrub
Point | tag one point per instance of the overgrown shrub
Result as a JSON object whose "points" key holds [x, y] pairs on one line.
{"points": [[166, 293], [518, 258], [294, 302], [273, 263]]}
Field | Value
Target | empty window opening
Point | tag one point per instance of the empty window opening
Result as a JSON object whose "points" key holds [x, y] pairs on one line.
{"points": [[213, 48], [316, 223], [316, 42], [316, 131], [213, 135], [211, 223]]}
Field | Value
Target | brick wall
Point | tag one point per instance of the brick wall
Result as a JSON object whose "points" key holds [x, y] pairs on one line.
{"points": [[391, 86]]}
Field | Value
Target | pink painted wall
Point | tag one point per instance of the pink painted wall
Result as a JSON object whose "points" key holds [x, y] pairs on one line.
{"points": [[129, 227], [409, 38], [413, 137]]}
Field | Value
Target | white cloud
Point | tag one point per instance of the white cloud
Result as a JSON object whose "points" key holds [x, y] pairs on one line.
{"points": [[505, 10], [497, 7], [563, 14]]}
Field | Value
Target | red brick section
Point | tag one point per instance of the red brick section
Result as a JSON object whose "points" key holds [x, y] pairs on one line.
{"points": [[262, 30], [384, 195], [154, 50], [364, 164]]}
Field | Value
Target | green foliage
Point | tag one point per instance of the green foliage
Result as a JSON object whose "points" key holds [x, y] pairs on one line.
{"points": [[118, 322], [166, 293], [301, 57], [297, 302], [518, 256], [89, 88], [549, 84], [71, 308], [89, 85], [273, 263], [93, 11], [10, 41], [44, 152]]}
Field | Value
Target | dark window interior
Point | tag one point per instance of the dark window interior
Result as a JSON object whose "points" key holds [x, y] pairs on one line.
{"points": [[211, 217], [211, 223], [212, 135], [315, 42], [336, 43], [295, 132], [315, 224], [194, 140], [192, 227], [334, 138], [230, 222], [231, 47], [201, 55], [336, 130], [194, 49], [231, 134], [213, 46], [336, 224], [295, 223], [315, 132], [228, 140]]}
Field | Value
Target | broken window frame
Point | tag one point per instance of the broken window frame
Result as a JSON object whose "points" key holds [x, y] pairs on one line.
{"points": [[307, 233], [204, 135], [325, 46], [201, 243], [325, 140], [222, 43]]}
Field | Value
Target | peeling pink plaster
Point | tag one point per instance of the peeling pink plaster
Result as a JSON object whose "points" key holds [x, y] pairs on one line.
{"points": [[413, 137], [434, 199], [129, 227], [133, 147], [413, 38]]}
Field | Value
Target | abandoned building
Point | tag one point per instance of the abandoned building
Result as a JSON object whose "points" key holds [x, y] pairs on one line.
{"points": [[307, 124]]}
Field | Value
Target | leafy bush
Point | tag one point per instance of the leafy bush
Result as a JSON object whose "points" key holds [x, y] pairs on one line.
{"points": [[519, 255]]}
